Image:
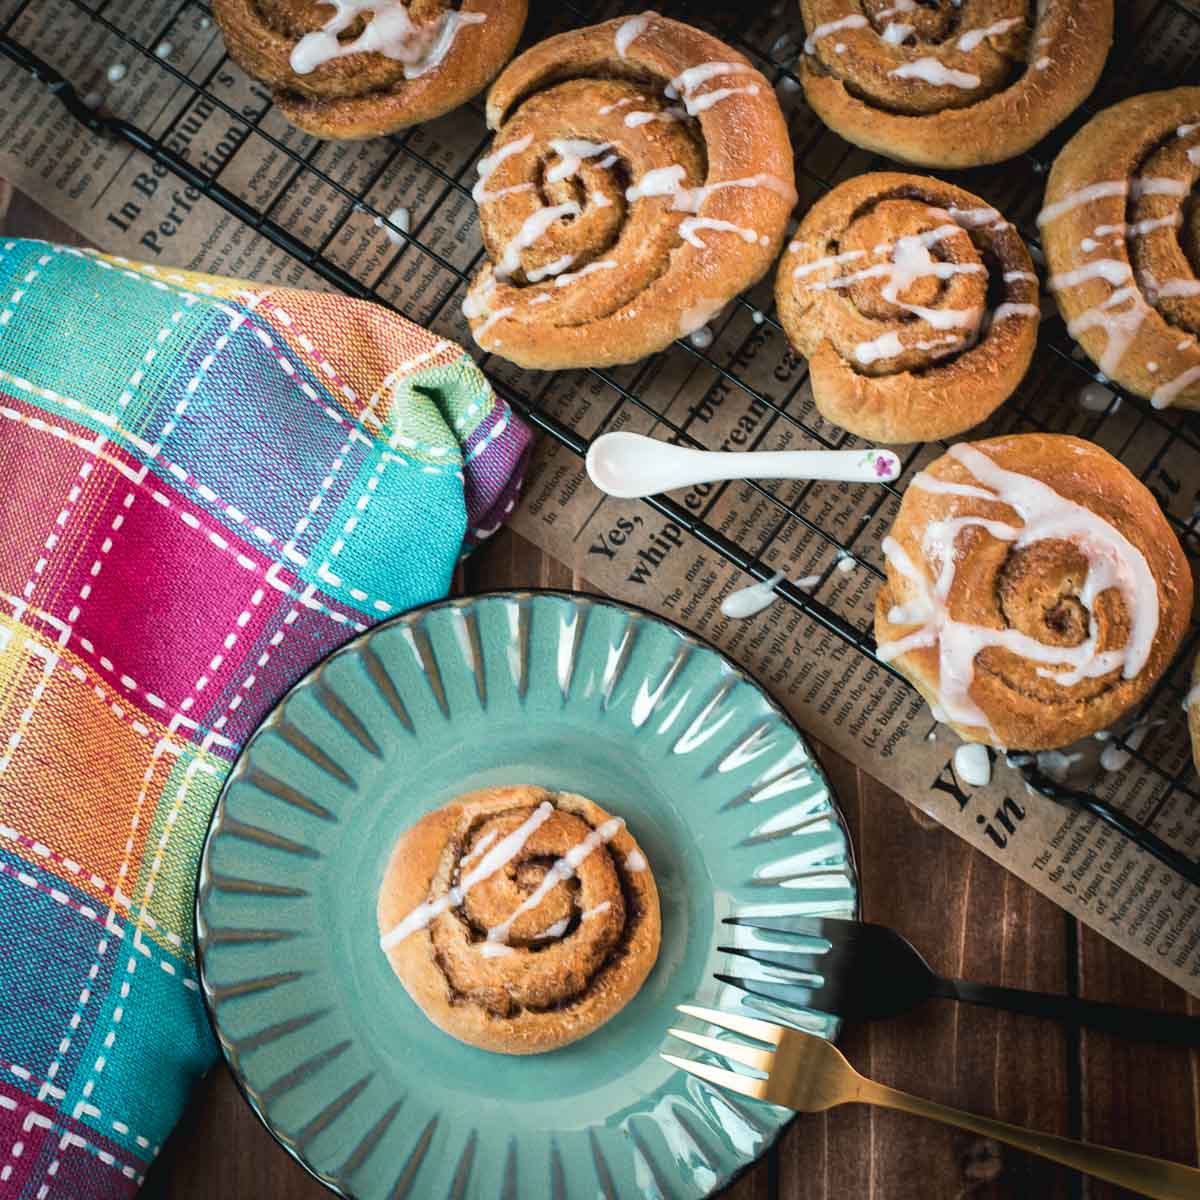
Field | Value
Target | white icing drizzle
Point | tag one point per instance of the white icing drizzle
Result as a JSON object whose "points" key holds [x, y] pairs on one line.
{"points": [[607, 108], [634, 120], [1056, 764], [1013, 309], [689, 226], [572, 152], [1164, 395], [598, 910], [973, 764], [895, 33], [480, 846], [496, 315], [603, 264], [1080, 197], [557, 267], [600, 200], [886, 345], [534, 227], [562, 869], [1120, 328], [693, 77], [668, 181], [699, 104], [1179, 287], [551, 931], [390, 32], [748, 601], [494, 949], [1014, 276], [934, 71], [972, 218], [971, 39], [661, 181], [1153, 185], [490, 162], [1113, 561], [830, 260], [635, 860], [856, 21], [629, 31], [496, 859], [1042, 63]]}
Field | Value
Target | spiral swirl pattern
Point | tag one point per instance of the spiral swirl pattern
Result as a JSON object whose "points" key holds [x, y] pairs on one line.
{"points": [[1121, 232], [915, 302], [951, 83], [641, 176], [519, 919], [1035, 591], [351, 69]]}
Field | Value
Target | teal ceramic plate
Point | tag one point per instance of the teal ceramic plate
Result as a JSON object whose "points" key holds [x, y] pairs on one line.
{"points": [[571, 692]]}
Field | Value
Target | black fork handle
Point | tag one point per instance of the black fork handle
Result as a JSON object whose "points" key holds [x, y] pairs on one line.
{"points": [[1142, 1024]]}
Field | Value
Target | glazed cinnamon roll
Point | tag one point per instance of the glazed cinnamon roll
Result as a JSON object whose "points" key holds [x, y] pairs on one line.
{"points": [[519, 919], [1121, 233], [640, 178], [348, 69], [1034, 591], [915, 303], [951, 83]]}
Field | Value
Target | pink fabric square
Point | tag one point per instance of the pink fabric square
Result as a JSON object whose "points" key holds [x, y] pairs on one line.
{"points": [[129, 622]]}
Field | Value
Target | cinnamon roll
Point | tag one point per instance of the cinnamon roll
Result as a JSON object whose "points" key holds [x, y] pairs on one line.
{"points": [[519, 919], [640, 178], [350, 69], [1034, 591], [951, 83], [915, 303], [1121, 234]]}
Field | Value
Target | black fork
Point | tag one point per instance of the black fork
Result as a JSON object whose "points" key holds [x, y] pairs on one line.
{"points": [[861, 972]]}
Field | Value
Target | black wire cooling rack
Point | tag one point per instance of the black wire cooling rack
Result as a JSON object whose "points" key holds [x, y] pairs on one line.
{"points": [[261, 167]]}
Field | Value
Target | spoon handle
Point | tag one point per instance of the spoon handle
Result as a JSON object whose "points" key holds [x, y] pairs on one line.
{"points": [[850, 466]]}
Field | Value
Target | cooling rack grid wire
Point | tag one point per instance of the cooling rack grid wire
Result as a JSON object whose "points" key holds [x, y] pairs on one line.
{"points": [[218, 133]]}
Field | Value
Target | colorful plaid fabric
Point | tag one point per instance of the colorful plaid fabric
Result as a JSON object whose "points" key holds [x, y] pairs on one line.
{"points": [[205, 486]]}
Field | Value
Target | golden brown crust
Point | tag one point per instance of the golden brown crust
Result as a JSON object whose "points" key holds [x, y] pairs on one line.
{"points": [[1008, 90], [601, 924], [1032, 590], [868, 253], [1121, 233], [657, 265], [367, 94]]}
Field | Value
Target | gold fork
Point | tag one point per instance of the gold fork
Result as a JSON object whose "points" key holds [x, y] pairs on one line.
{"points": [[810, 1074]]}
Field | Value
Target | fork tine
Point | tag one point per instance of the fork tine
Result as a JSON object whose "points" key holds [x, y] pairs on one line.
{"points": [[794, 994], [809, 926], [748, 1056], [761, 1031], [756, 1089], [809, 964]]}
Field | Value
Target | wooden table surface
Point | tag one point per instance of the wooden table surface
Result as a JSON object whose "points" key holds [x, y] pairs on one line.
{"points": [[970, 918]]}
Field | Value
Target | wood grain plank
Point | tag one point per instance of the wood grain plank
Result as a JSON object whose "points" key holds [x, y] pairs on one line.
{"points": [[1135, 1095], [969, 917]]}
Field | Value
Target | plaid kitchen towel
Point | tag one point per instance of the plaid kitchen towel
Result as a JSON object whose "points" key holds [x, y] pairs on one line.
{"points": [[205, 486]]}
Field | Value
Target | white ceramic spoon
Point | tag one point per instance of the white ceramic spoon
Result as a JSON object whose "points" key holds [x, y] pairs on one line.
{"points": [[630, 466]]}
